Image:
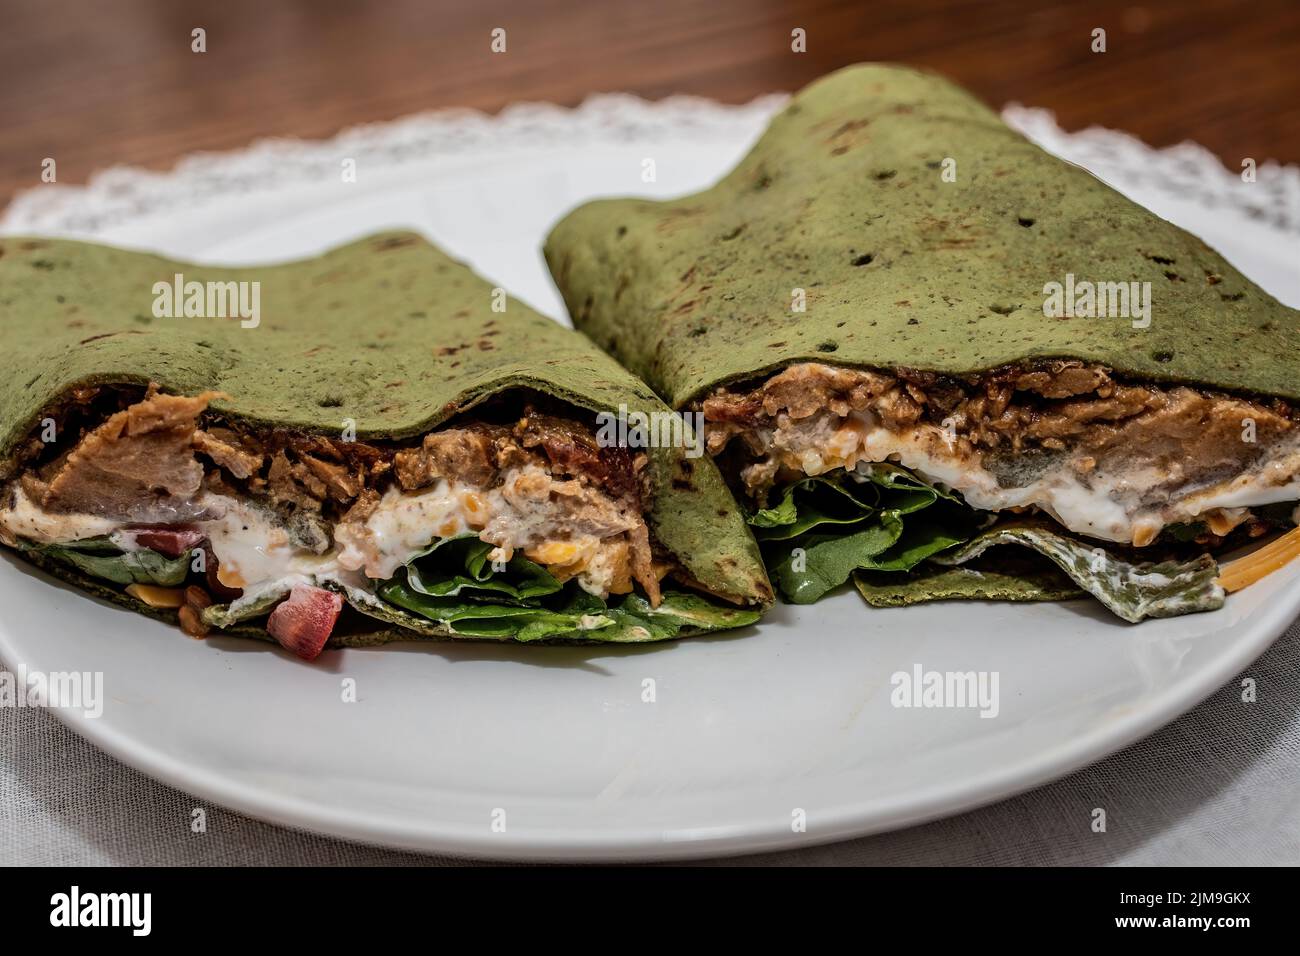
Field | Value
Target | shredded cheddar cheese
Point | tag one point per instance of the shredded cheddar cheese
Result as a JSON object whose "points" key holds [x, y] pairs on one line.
{"points": [[1246, 571], [554, 552], [476, 508], [155, 596]]}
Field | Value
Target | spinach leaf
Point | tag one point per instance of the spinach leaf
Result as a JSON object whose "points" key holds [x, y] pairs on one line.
{"points": [[811, 501], [452, 583], [824, 528], [577, 616], [880, 518], [100, 558], [1131, 591], [1006, 581], [243, 608], [459, 566]]}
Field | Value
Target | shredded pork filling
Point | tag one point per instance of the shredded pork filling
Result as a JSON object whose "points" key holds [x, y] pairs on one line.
{"points": [[1107, 459], [279, 510]]}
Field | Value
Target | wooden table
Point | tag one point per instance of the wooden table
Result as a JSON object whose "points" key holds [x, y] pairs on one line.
{"points": [[94, 83]]}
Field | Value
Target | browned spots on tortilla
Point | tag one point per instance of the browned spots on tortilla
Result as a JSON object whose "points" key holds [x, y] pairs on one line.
{"points": [[676, 217], [848, 127], [847, 135], [942, 234], [107, 335], [395, 242], [328, 277], [685, 280]]}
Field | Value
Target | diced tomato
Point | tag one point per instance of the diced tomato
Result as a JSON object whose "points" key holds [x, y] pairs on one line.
{"points": [[303, 623], [171, 540]]}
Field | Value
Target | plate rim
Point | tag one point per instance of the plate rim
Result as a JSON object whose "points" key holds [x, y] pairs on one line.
{"points": [[834, 824]]}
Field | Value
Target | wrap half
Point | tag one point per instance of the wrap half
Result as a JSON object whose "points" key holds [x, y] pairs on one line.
{"points": [[257, 449], [904, 324]]}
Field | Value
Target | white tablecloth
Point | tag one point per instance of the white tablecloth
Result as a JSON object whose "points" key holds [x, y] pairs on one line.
{"points": [[1221, 785]]}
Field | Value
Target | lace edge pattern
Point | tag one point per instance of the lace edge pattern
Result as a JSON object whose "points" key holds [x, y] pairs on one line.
{"points": [[1187, 170], [121, 194]]}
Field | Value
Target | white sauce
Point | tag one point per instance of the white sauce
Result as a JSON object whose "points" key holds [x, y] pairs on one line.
{"points": [[27, 520], [1109, 506], [401, 527], [603, 561], [255, 554]]}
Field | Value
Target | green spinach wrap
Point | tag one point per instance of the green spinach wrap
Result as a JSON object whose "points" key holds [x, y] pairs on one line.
{"points": [[261, 449], [926, 350]]}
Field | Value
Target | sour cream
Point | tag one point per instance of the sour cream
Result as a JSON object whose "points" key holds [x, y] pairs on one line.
{"points": [[1114, 506]]}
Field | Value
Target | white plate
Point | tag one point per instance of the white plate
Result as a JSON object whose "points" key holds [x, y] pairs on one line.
{"points": [[746, 731]]}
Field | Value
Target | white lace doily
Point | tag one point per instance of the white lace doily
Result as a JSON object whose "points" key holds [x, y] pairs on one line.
{"points": [[1185, 170], [121, 194]]}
